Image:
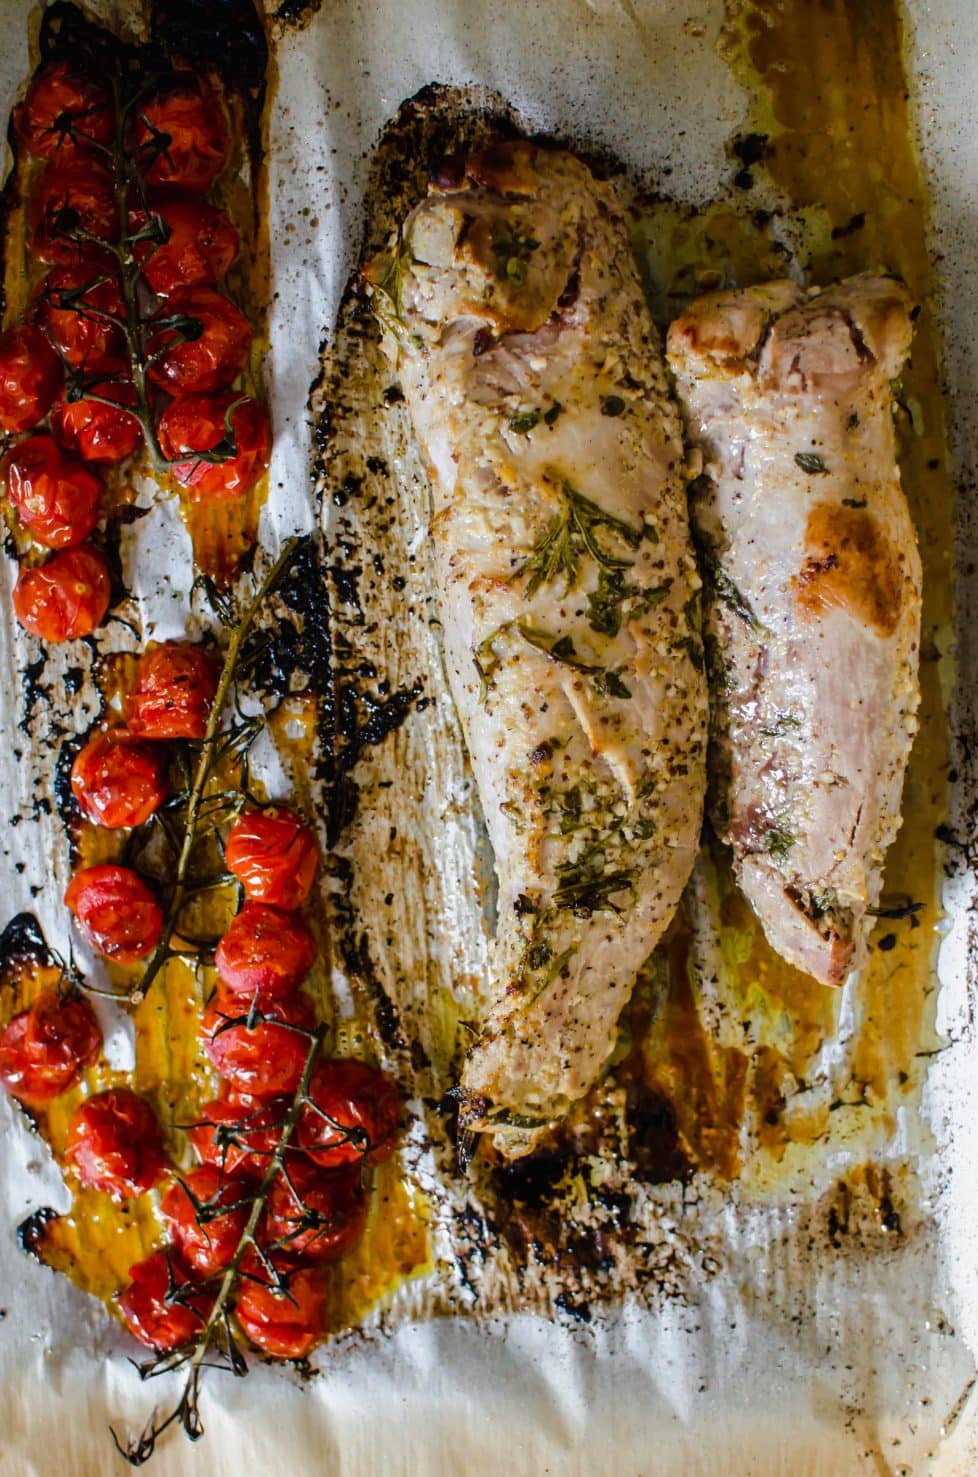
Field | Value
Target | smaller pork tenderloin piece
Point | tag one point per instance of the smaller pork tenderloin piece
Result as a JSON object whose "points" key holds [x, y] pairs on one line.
{"points": [[813, 597]]}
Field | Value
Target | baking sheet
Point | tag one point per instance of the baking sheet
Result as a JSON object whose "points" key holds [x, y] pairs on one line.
{"points": [[787, 1361]]}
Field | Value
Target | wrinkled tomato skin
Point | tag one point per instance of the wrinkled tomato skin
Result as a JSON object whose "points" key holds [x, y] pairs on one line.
{"points": [[274, 856], [66, 197], [210, 361], [192, 424], [264, 951], [196, 148], [57, 95], [115, 1144], [149, 1316], [200, 246], [335, 1197], [64, 598], [267, 1059], [257, 1128], [117, 781], [358, 1118], [285, 1325], [116, 912], [44, 1049], [30, 377], [175, 686], [94, 431], [84, 339], [208, 1244], [56, 498]]}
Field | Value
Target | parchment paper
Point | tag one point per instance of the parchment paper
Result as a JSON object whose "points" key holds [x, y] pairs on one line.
{"points": [[789, 1362]]}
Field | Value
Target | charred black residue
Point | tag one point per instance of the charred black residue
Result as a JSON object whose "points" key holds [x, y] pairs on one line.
{"points": [[30, 1232], [22, 941], [224, 35], [750, 149], [654, 1148], [296, 13]]}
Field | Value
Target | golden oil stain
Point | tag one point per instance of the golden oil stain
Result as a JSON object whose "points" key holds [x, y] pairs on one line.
{"points": [[393, 1248]]}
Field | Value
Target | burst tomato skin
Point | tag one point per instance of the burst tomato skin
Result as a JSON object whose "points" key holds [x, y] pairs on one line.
{"points": [[71, 301], [117, 781], [115, 1143], [64, 598], [353, 1115], [146, 1308], [65, 198], [193, 424], [56, 498], [207, 1243], [180, 138], [44, 1049], [59, 96], [264, 951], [30, 376], [314, 1214], [116, 912], [274, 856], [285, 1325], [94, 431], [175, 686], [262, 1061], [209, 361], [201, 244]]}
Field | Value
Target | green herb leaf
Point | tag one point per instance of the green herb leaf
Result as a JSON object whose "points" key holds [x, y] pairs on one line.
{"points": [[810, 462], [571, 536], [854, 502], [778, 841], [611, 685], [612, 405]]}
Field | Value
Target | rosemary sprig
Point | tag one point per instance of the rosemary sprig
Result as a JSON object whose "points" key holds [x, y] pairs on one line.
{"points": [[570, 536]]}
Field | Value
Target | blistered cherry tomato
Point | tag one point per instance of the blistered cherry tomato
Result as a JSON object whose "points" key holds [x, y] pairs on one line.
{"points": [[64, 598], [353, 1115], [274, 856], [63, 113], [232, 428], [206, 1240], [71, 304], [266, 952], [175, 687], [238, 1134], [180, 138], [116, 912], [285, 1324], [207, 351], [115, 1143], [66, 200], [316, 1214], [265, 1059], [200, 244], [56, 498], [118, 781], [43, 1050], [93, 430], [30, 374], [151, 1304]]}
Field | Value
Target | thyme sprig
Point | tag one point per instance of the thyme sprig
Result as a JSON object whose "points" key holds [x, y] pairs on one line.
{"points": [[570, 536]]}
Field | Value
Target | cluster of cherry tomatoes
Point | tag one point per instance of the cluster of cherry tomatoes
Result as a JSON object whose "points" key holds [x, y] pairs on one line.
{"points": [[72, 361]]}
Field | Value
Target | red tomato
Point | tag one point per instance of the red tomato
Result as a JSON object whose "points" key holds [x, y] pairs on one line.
{"points": [[200, 424], [273, 855], [56, 498], [353, 1115], [238, 1134], [175, 687], [116, 912], [64, 598], [285, 1324], [115, 1143], [30, 375], [200, 244], [117, 781], [180, 137], [206, 1241], [151, 1304], [93, 430], [208, 352], [68, 199], [43, 1049], [265, 952], [72, 303], [63, 113], [262, 1061], [316, 1214]]}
